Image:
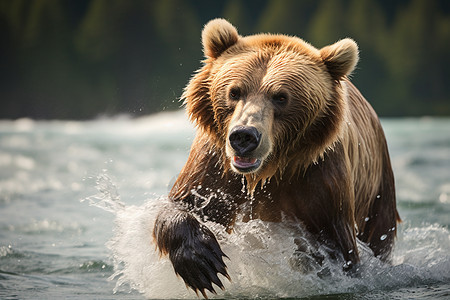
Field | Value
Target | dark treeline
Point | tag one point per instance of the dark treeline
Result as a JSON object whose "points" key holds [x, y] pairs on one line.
{"points": [[82, 58]]}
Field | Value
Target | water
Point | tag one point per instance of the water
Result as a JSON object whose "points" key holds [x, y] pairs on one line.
{"points": [[78, 200]]}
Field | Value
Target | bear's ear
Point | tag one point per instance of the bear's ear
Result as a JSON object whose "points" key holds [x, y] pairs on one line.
{"points": [[340, 58], [217, 36]]}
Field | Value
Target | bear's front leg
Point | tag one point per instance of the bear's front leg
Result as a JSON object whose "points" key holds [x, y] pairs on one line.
{"points": [[192, 248]]}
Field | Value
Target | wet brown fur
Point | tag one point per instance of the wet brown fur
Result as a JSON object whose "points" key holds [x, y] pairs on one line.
{"points": [[329, 168]]}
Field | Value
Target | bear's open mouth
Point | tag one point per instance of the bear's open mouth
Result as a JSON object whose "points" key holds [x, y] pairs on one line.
{"points": [[246, 164]]}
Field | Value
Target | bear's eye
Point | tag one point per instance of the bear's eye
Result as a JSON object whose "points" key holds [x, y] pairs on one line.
{"points": [[235, 93], [280, 99]]}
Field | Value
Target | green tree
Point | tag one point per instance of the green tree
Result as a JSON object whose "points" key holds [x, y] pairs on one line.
{"points": [[414, 55], [366, 24], [288, 17], [328, 24], [76, 59]]}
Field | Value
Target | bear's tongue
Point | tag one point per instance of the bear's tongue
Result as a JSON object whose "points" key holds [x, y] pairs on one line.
{"points": [[244, 162]]}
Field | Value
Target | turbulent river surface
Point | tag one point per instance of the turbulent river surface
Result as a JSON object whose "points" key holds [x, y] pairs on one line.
{"points": [[78, 201]]}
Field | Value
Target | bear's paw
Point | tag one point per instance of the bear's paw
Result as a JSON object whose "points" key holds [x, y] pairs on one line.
{"points": [[196, 256]]}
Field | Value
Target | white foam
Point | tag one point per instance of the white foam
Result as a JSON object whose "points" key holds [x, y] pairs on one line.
{"points": [[262, 262], [137, 263]]}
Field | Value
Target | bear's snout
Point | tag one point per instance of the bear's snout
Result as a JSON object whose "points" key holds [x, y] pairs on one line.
{"points": [[244, 139]]}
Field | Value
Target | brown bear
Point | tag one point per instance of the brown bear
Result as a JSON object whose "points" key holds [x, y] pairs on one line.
{"points": [[280, 117]]}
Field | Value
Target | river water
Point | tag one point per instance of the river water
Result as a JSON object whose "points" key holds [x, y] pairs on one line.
{"points": [[78, 201]]}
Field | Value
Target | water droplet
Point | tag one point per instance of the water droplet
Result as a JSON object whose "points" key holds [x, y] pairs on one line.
{"points": [[366, 219], [378, 196], [347, 264], [383, 237], [444, 198], [350, 251]]}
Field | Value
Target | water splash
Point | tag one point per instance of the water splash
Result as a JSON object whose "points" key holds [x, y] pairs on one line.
{"points": [[107, 197], [264, 257]]}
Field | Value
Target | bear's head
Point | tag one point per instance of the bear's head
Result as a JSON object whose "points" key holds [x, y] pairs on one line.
{"points": [[269, 103]]}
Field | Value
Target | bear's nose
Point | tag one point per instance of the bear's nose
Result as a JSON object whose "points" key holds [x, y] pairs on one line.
{"points": [[244, 139]]}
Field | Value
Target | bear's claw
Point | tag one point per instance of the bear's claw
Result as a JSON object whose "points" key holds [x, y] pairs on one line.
{"points": [[198, 258]]}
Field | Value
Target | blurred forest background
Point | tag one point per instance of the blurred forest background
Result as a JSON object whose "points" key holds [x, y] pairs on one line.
{"points": [[78, 59]]}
